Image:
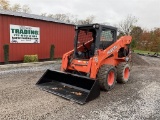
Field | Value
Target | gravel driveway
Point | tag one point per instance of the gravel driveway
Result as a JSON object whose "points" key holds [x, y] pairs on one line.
{"points": [[139, 99]]}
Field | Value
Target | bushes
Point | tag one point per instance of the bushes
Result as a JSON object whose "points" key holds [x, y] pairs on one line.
{"points": [[6, 53], [133, 44], [52, 52], [27, 58], [30, 58]]}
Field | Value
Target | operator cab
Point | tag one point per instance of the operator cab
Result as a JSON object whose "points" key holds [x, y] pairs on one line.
{"points": [[92, 37]]}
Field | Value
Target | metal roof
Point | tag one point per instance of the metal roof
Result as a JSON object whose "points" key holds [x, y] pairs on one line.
{"points": [[32, 16]]}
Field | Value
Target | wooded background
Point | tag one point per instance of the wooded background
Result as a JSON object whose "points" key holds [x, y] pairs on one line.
{"points": [[148, 40]]}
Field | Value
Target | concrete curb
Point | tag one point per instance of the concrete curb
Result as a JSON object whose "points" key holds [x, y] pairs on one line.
{"points": [[23, 65]]}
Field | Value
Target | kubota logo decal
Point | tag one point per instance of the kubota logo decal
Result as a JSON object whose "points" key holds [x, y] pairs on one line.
{"points": [[112, 49]]}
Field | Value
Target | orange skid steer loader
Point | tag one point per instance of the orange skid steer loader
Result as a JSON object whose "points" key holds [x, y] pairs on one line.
{"points": [[97, 62]]}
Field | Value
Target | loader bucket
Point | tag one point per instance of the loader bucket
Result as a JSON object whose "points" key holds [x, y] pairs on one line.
{"points": [[70, 86]]}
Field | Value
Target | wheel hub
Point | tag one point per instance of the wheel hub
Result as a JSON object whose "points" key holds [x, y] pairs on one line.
{"points": [[110, 78], [126, 73]]}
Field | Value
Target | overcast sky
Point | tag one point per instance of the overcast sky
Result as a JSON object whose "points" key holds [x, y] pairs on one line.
{"points": [[110, 11]]}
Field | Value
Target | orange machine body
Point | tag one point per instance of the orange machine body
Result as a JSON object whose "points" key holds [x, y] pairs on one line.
{"points": [[91, 66]]}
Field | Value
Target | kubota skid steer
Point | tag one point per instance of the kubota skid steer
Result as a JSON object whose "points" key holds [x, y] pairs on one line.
{"points": [[97, 62]]}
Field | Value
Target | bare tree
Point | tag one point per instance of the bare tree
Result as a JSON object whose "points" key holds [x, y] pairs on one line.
{"points": [[71, 18], [68, 18], [4, 4], [26, 9], [16, 8], [106, 23], [44, 14], [88, 20], [50, 15], [61, 17], [126, 26]]}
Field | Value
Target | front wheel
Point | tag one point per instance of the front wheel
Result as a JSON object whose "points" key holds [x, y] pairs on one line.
{"points": [[123, 72], [107, 77]]}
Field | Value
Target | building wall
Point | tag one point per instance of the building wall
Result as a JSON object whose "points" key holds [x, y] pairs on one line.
{"points": [[61, 35]]}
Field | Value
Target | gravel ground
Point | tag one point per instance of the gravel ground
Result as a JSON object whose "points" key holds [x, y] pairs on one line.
{"points": [[139, 99], [9, 69]]}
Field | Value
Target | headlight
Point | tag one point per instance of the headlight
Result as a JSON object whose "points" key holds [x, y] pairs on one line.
{"points": [[96, 26]]}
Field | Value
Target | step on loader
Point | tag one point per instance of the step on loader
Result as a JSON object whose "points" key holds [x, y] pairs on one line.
{"points": [[96, 63]]}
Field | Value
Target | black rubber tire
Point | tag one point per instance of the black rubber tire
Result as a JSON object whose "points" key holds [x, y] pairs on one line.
{"points": [[102, 76], [121, 72]]}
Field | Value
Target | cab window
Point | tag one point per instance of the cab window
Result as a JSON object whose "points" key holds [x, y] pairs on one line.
{"points": [[106, 38], [106, 35]]}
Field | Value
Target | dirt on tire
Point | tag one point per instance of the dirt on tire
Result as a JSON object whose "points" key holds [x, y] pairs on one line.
{"points": [[102, 77], [121, 71]]}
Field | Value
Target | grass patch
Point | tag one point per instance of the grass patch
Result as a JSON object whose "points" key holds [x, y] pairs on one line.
{"points": [[144, 52]]}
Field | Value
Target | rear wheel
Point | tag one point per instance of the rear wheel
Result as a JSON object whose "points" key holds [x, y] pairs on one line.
{"points": [[107, 77], [123, 72]]}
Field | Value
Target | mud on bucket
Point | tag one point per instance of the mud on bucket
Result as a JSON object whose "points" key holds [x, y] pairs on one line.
{"points": [[73, 87]]}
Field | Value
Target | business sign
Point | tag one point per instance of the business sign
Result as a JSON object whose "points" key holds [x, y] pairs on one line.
{"points": [[24, 34]]}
